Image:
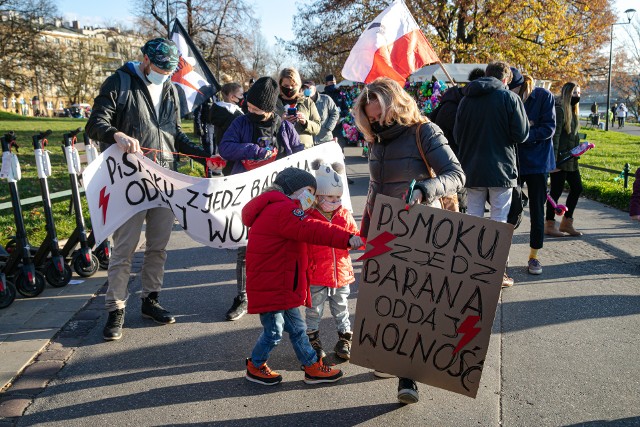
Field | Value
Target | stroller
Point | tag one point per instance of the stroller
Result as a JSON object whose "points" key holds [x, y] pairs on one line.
{"points": [[594, 121]]}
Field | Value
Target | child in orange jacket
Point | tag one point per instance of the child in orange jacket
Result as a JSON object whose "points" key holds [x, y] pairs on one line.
{"points": [[330, 269], [277, 273]]}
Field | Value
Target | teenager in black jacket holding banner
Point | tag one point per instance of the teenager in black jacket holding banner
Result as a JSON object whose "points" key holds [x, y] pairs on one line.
{"points": [[147, 118]]}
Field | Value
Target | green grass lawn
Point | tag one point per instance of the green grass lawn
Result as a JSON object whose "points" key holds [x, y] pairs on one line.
{"points": [[612, 151], [29, 185]]}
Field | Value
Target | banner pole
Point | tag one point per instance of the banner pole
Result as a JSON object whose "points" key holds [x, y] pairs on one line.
{"points": [[168, 22]]}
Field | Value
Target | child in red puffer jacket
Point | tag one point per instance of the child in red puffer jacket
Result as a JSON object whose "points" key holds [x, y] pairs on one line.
{"points": [[330, 269], [277, 271]]}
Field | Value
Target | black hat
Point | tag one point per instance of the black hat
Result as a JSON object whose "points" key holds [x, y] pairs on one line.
{"points": [[162, 53], [264, 94], [292, 179], [517, 79], [330, 78]]}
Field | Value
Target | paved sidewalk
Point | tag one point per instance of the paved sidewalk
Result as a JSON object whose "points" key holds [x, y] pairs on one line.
{"points": [[564, 349]]}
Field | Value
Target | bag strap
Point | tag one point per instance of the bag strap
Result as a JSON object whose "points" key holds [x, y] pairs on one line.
{"points": [[125, 85], [424, 158]]}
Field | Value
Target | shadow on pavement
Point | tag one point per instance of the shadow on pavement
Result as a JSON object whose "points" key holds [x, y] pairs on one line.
{"points": [[346, 417], [534, 314], [207, 391]]}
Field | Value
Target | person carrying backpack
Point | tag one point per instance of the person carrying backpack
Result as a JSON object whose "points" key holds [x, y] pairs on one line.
{"points": [[138, 108]]}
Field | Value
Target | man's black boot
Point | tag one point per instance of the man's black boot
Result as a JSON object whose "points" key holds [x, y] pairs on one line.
{"points": [[113, 329], [152, 309]]}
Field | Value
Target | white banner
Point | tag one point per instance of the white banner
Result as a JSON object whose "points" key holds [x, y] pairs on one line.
{"points": [[118, 185]]}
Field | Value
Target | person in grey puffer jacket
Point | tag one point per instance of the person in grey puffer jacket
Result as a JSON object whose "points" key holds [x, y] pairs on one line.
{"points": [[328, 110], [395, 160]]}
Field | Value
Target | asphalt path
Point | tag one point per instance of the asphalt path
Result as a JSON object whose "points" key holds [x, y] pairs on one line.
{"points": [[563, 351]]}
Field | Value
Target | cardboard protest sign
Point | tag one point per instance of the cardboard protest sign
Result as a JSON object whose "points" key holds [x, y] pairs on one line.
{"points": [[118, 185], [428, 294]]}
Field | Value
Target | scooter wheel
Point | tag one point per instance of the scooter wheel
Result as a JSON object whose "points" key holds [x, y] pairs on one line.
{"points": [[27, 289], [102, 260], [83, 270], [56, 278], [8, 294]]}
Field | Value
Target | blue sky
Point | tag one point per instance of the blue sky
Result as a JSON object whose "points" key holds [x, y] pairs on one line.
{"points": [[276, 16]]}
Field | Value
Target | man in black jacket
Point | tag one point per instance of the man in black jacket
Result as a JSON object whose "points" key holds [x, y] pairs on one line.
{"points": [[147, 118], [490, 122]]}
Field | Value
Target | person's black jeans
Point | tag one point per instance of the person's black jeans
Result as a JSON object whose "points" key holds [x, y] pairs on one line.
{"points": [[241, 270], [557, 185], [537, 193]]}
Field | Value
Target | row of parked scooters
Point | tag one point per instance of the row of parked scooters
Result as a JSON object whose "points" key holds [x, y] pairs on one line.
{"points": [[26, 268]]}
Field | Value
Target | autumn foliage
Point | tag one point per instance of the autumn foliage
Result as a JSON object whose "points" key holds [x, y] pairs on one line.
{"points": [[549, 39]]}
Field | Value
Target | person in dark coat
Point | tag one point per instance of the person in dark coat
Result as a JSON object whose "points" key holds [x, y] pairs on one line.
{"points": [[491, 121], [258, 136], [389, 117], [535, 156], [149, 119], [565, 138], [223, 113]]}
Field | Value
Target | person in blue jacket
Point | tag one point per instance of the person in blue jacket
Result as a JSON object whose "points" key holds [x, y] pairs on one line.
{"points": [[535, 156], [258, 136]]}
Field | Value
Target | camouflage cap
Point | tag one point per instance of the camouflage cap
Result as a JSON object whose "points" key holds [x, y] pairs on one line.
{"points": [[163, 53]]}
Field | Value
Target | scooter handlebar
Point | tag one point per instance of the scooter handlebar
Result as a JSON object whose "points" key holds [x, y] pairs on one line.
{"points": [[39, 140]]}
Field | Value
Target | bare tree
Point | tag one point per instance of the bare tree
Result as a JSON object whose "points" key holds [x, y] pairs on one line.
{"points": [[218, 28]]}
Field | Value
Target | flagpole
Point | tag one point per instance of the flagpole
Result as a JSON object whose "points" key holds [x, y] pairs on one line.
{"points": [[446, 73], [168, 22]]}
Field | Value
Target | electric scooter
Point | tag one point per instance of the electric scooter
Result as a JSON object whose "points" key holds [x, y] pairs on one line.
{"points": [[7, 288], [84, 262], [19, 264], [103, 250], [55, 269]]}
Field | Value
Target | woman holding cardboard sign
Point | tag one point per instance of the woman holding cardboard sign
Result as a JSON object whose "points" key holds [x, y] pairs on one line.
{"points": [[404, 146]]}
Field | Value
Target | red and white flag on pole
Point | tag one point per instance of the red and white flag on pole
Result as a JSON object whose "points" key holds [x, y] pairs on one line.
{"points": [[192, 78], [392, 46]]}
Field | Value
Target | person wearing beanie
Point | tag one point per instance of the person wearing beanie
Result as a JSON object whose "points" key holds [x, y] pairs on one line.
{"points": [[296, 108], [330, 269], [136, 125], [535, 158], [280, 230], [256, 138]]}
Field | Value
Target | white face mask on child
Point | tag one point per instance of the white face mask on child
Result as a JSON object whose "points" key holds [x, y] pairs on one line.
{"points": [[305, 197], [328, 206]]}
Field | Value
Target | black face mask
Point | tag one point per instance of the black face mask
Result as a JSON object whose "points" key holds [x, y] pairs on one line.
{"points": [[288, 92], [256, 118], [377, 128], [575, 100]]}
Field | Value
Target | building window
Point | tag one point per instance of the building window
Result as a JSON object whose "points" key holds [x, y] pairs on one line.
{"points": [[5, 104], [49, 105], [60, 105], [13, 103]]}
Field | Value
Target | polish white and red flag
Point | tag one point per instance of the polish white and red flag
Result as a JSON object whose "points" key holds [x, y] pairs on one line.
{"points": [[392, 46], [193, 78]]}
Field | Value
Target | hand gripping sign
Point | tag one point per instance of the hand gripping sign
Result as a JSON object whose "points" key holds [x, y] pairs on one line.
{"points": [[429, 289], [118, 185]]}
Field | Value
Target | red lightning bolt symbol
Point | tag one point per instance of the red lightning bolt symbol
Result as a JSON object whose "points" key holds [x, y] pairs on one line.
{"points": [[469, 331], [184, 68], [378, 246], [104, 202]]}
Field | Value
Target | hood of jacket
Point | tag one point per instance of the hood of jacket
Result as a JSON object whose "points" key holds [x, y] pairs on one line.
{"points": [[252, 210], [482, 87]]}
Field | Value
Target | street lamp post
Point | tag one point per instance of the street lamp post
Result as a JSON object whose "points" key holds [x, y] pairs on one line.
{"points": [[629, 13]]}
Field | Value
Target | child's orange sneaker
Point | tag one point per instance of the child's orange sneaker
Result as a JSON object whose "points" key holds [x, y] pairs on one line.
{"points": [[321, 373], [262, 374]]}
